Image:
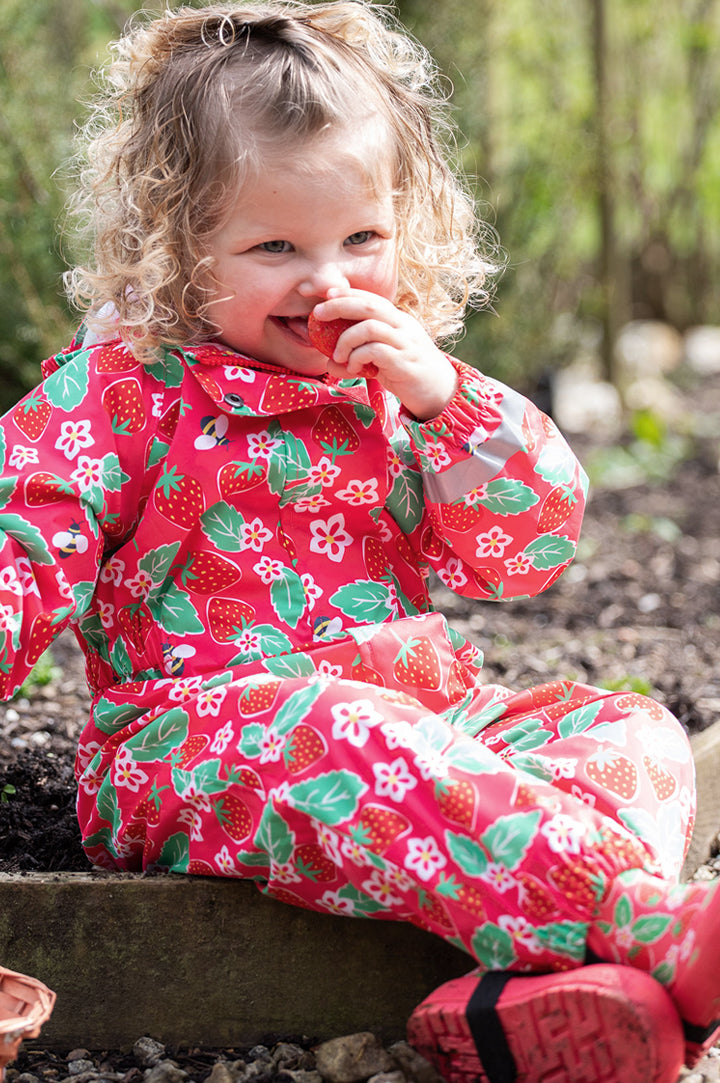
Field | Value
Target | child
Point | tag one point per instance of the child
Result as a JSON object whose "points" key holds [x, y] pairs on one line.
{"points": [[239, 530]]}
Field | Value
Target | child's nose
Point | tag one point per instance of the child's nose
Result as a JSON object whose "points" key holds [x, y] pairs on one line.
{"points": [[320, 277]]}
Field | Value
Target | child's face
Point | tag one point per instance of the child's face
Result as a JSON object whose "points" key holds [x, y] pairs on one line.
{"points": [[301, 229]]}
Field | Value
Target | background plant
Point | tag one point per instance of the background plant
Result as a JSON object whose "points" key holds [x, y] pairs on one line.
{"points": [[591, 128]]}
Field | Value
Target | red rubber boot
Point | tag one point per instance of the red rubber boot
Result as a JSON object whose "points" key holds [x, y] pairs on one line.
{"points": [[596, 1024]]}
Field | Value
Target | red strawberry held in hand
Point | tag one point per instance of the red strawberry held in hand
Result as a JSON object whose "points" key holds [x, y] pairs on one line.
{"points": [[324, 335]]}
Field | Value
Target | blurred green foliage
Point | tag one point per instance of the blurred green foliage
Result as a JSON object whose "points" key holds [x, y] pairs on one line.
{"points": [[590, 130]]}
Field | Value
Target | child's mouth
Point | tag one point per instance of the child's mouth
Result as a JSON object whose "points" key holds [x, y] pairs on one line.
{"points": [[297, 326]]}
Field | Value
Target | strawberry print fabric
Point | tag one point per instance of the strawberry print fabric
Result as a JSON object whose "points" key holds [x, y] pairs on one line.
{"points": [[243, 556]]}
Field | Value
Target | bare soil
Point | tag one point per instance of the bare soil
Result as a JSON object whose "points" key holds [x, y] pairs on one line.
{"points": [[640, 608]]}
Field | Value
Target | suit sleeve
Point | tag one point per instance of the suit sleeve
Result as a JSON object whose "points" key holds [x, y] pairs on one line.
{"points": [[503, 493], [72, 457]]}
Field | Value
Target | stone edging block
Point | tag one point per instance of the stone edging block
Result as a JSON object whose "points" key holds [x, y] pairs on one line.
{"points": [[209, 962]]}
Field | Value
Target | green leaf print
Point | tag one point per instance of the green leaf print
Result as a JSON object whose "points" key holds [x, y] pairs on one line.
{"points": [[564, 937], [113, 477], [222, 525], [2, 450], [67, 387], [203, 779], [467, 853], [493, 947], [168, 369], [405, 501], [120, 660], [623, 911], [554, 466], [274, 837], [510, 836], [470, 755], [251, 740], [361, 903], [365, 601], [287, 596], [109, 717], [83, 594], [527, 735], [29, 537], [508, 496], [534, 765], [107, 803], [290, 665], [175, 854], [549, 551], [649, 929], [156, 564], [161, 737], [175, 613], [271, 642], [158, 451], [330, 798], [295, 708], [579, 720]]}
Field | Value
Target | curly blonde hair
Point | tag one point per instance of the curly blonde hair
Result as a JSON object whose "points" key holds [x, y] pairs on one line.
{"points": [[191, 101]]}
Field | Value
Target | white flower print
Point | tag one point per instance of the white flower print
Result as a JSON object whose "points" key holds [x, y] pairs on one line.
{"points": [[222, 738], [268, 570], [311, 503], [86, 754], [522, 931], [393, 780], [248, 641], [21, 456], [126, 773], [272, 746], [379, 888], [113, 571], [424, 858], [492, 544], [140, 585], [333, 902], [255, 535], [184, 689], [327, 670], [436, 456], [9, 581], [192, 817], [395, 463], [360, 492], [499, 877], [325, 472], [564, 834], [210, 701], [8, 618], [354, 852], [285, 874], [329, 537], [89, 472], [27, 576], [312, 590], [74, 436], [452, 574], [352, 721], [261, 444], [106, 611], [519, 564], [224, 862]]}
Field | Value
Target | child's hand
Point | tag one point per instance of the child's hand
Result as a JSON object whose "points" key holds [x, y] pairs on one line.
{"points": [[383, 341]]}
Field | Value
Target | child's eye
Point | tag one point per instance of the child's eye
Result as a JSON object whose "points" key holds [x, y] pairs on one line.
{"points": [[275, 246], [362, 237]]}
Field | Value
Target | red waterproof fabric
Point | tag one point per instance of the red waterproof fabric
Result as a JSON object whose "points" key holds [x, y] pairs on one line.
{"points": [[244, 556]]}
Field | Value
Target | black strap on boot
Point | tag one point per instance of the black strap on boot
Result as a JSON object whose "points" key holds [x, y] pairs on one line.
{"points": [[487, 1030]]}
